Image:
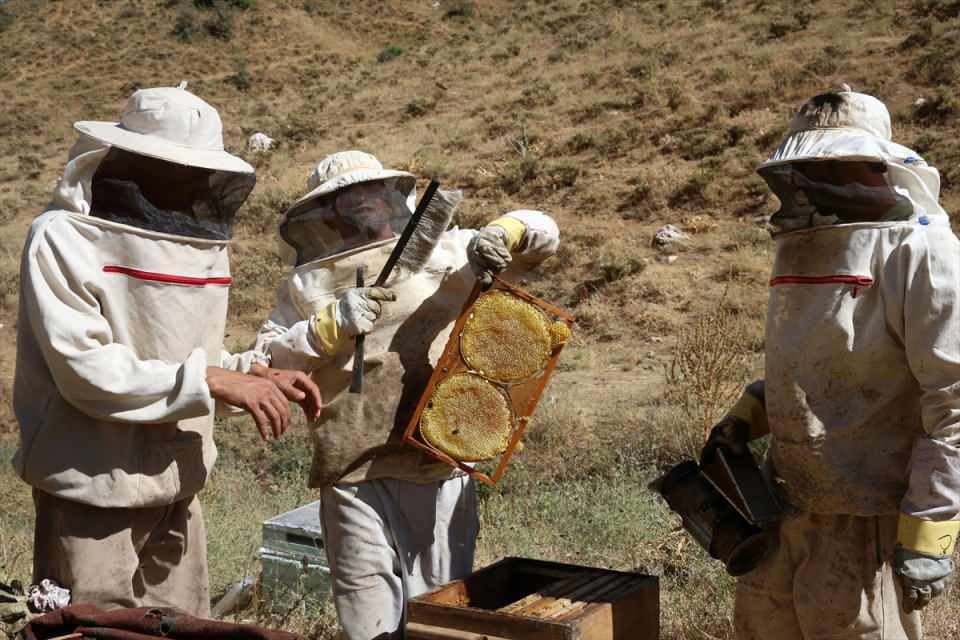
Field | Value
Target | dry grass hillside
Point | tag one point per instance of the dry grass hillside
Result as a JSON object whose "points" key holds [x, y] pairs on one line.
{"points": [[615, 116]]}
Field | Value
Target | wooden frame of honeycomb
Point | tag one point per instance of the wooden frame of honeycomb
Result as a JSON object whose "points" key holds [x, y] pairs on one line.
{"points": [[489, 320]]}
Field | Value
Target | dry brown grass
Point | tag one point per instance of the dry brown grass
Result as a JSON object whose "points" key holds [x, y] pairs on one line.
{"points": [[616, 116]]}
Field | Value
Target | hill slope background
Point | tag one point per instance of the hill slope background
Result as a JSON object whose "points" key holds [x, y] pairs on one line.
{"points": [[614, 116]]}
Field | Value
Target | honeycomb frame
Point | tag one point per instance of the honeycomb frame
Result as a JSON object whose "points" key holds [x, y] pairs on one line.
{"points": [[523, 395]]}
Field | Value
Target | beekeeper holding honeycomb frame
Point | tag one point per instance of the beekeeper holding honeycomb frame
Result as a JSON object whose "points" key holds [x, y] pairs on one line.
{"points": [[396, 523]]}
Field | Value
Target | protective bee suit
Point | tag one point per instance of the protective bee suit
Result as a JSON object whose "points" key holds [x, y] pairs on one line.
{"points": [[396, 523], [110, 390], [862, 371]]}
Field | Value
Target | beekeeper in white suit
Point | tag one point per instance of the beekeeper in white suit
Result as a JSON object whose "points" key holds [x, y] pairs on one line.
{"points": [[396, 523], [862, 383], [120, 360]]}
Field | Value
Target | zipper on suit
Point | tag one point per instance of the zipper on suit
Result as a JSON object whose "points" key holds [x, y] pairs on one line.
{"points": [[858, 282]]}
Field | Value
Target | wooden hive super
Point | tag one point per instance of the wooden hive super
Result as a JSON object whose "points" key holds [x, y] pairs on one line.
{"points": [[521, 599]]}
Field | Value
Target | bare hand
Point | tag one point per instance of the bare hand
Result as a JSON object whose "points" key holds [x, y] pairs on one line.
{"points": [[258, 396], [295, 385]]}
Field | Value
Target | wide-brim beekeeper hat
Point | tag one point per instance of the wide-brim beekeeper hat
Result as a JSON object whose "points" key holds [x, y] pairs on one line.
{"points": [[172, 124], [345, 168], [843, 125], [850, 126]]}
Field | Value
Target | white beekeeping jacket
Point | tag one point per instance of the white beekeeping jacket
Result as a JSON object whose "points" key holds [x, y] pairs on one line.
{"points": [[116, 328], [357, 435], [863, 352]]}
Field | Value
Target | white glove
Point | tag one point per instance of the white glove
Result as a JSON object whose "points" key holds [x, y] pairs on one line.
{"points": [[359, 309], [489, 251]]}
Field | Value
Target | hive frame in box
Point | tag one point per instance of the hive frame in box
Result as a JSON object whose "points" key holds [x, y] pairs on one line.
{"points": [[524, 395]]}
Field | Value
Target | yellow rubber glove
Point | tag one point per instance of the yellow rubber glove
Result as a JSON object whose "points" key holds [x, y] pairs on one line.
{"points": [[324, 329], [353, 314], [514, 228]]}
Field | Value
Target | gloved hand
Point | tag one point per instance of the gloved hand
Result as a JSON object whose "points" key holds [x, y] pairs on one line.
{"points": [[923, 558], [489, 251], [353, 314], [746, 421], [730, 434]]}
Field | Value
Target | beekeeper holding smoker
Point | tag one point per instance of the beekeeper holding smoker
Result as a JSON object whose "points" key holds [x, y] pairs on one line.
{"points": [[862, 390], [396, 523]]}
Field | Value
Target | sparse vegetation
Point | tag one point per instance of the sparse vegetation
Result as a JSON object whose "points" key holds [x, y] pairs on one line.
{"points": [[389, 52], [707, 373], [6, 19], [615, 117]]}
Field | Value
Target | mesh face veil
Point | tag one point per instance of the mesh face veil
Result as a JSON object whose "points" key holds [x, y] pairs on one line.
{"points": [[168, 197], [817, 193], [351, 217]]}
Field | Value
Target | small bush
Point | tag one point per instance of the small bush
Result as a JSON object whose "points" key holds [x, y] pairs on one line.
{"points": [[6, 18], [938, 9], [389, 52], [708, 370], [459, 9], [185, 28], [223, 4], [937, 109], [938, 66], [780, 28], [240, 80], [130, 12], [417, 109], [219, 25], [693, 192]]}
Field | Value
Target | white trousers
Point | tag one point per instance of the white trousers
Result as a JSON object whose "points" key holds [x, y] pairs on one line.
{"points": [[390, 540], [830, 577]]}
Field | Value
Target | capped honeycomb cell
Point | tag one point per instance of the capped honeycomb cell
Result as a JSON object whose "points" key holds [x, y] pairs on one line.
{"points": [[467, 418], [505, 338]]}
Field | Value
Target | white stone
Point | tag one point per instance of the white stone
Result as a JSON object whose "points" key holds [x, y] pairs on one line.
{"points": [[260, 142]]}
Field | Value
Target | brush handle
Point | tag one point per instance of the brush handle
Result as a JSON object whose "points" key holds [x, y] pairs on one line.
{"points": [[356, 385]]}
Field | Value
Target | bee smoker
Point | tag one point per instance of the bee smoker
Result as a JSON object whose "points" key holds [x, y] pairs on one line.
{"points": [[725, 506]]}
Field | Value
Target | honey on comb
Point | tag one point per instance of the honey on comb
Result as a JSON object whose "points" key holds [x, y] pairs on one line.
{"points": [[467, 418], [506, 339]]}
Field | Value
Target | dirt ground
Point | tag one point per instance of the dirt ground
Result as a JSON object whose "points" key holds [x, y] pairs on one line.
{"points": [[615, 116]]}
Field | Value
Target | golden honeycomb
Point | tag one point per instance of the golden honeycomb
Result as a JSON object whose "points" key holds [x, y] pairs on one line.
{"points": [[505, 338], [467, 418]]}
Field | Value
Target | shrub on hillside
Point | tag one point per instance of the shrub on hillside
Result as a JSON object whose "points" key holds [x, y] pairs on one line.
{"points": [[219, 25], [389, 52], [937, 109], [240, 80], [459, 9], [6, 18], [939, 9], [780, 28], [708, 370]]}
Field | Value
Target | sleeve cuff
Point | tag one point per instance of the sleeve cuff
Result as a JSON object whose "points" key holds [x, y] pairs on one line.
{"points": [[927, 536], [514, 228]]}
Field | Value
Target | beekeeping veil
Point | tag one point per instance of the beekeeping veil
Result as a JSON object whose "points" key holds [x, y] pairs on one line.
{"points": [[163, 167], [353, 203], [838, 165]]}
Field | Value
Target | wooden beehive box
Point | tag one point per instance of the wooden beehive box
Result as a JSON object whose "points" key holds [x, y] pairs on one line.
{"points": [[523, 396], [521, 599]]}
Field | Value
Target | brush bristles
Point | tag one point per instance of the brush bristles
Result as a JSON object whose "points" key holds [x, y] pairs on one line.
{"points": [[435, 220]]}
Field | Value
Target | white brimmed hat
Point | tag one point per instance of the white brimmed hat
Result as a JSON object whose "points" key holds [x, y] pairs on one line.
{"points": [[345, 168], [844, 125], [169, 123]]}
